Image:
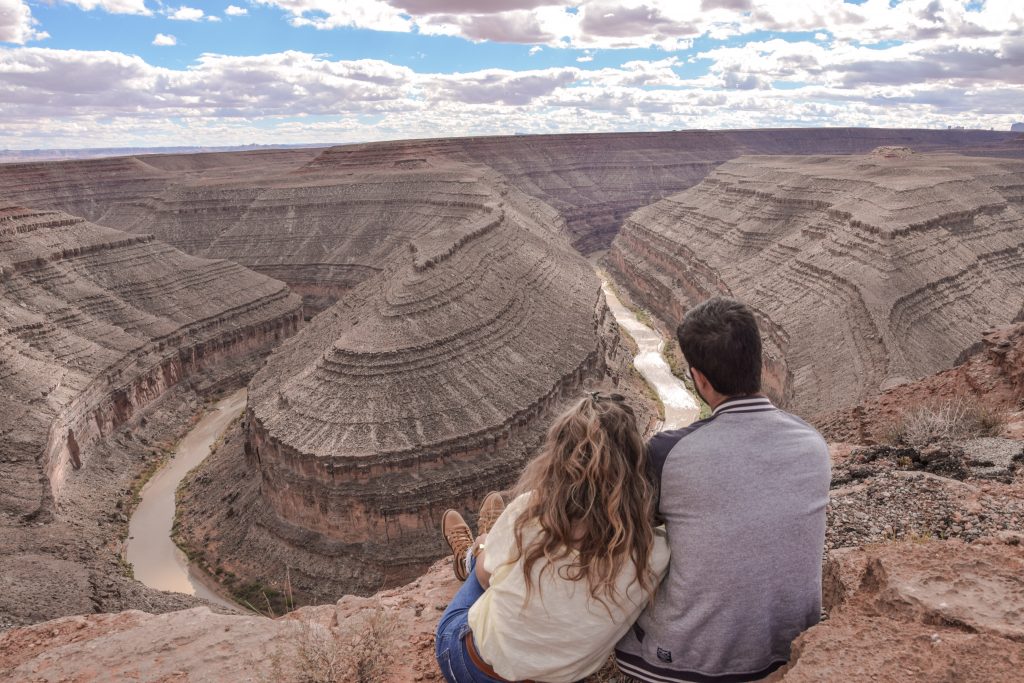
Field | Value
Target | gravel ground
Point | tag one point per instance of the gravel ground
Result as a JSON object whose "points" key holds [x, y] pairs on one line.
{"points": [[966, 491]]}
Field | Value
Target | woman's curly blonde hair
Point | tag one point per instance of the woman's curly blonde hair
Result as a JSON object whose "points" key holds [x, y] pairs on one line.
{"points": [[591, 498]]}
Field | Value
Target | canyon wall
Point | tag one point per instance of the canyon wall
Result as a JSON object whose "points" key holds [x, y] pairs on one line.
{"points": [[427, 387], [863, 270], [990, 379], [96, 325], [456, 315], [279, 211]]}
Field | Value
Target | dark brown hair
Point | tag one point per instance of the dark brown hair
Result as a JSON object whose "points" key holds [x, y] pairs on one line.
{"points": [[720, 338]]}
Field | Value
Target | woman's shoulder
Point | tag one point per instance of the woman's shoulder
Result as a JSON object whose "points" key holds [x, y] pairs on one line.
{"points": [[520, 502]]}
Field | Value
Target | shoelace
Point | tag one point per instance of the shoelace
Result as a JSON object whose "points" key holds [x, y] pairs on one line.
{"points": [[460, 534]]}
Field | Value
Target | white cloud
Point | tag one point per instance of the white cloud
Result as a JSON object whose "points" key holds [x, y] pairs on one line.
{"points": [[376, 15], [113, 6], [185, 13], [535, 49], [235, 11], [17, 25], [164, 40], [213, 18], [78, 98], [665, 24]]}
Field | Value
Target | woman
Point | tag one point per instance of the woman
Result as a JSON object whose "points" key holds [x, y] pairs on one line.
{"points": [[561, 574]]}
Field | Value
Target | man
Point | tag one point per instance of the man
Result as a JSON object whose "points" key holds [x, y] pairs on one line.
{"points": [[743, 496]]}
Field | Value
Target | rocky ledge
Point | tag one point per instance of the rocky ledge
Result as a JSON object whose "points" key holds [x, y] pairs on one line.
{"points": [[917, 612]]}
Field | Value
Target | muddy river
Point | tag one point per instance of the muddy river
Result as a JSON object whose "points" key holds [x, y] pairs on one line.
{"points": [[680, 406], [160, 564], [157, 561]]}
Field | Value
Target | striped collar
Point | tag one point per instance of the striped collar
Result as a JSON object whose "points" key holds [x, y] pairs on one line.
{"points": [[744, 404]]}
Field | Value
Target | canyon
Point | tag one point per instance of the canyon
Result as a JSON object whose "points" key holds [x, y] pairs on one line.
{"points": [[933, 594], [423, 389], [97, 327], [408, 315], [887, 265], [295, 214]]}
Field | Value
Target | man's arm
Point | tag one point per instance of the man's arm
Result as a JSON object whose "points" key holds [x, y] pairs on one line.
{"points": [[658, 448]]}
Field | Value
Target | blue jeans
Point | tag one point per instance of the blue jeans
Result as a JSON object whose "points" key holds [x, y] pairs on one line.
{"points": [[450, 643]]}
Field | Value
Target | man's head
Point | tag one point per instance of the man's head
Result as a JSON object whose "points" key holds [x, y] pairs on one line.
{"points": [[722, 346]]}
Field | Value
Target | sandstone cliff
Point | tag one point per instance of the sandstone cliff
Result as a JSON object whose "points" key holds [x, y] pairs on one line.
{"points": [[914, 612], [862, 269], [424, 389], [277, 211], [990, 378], [96, 325]]}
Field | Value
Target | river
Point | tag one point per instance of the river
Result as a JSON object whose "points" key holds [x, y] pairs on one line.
{"points": [[680, 406], [156, 560], [160, 564]]}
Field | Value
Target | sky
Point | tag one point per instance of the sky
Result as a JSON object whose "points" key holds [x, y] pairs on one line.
{"points": [[148, 73]]}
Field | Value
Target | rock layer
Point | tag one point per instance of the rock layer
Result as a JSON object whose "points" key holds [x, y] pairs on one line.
{"points": [[883, 266], [279, 211], [325, 643], [425, 388], [990, 376], [96, 325], [935, 611]]}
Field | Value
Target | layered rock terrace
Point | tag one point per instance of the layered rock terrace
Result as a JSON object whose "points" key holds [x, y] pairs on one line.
{"points": [[425, 388], [862, 269], [96, 325], [276, 211], [456, 313]]}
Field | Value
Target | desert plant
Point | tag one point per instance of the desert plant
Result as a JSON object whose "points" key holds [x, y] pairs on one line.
{"points": [[361, 657], [954, 419]]}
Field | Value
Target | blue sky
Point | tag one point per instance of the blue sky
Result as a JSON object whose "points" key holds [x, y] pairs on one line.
{"points": [[82, 73]]}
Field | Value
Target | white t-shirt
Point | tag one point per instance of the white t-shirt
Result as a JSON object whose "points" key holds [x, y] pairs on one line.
{"points": [[561, 634]]}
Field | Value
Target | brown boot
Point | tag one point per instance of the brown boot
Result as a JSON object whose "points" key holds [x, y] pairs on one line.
{"points": [[460, 539], [490, 510]]}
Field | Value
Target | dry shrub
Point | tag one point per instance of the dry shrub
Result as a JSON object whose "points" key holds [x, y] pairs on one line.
{"points": [[323, 655], [951, 420]]}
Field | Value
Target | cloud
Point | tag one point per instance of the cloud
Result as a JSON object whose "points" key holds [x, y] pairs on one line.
{"points": [[535, 49], [627, 25], [235, 11], [164, 40], [17, 24], [113, 6], [184, 13], [506, 27], [55, 98], [375, 15], [423, 7], [665, 24], [499, 86]]}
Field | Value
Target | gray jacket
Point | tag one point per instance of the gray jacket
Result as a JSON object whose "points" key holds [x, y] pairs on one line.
{"points": [[743, 496]]}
